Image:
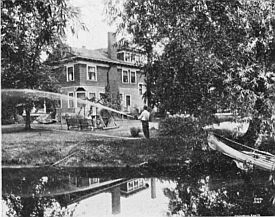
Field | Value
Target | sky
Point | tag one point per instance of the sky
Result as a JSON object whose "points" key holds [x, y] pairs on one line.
{"points": [[93, 17]]}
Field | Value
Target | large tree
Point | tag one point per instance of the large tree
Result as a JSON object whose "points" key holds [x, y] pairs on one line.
{"points": [[29, 28], [215, 54]]}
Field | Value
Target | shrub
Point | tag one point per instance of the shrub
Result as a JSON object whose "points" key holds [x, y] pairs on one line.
{"points": [[135, 131], [20, 119], [8, 121], [185, 127], [179, 126], [189, 130], [268, 144]]}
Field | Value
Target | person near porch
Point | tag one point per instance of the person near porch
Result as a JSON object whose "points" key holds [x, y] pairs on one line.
{"points": [[144, 117]]}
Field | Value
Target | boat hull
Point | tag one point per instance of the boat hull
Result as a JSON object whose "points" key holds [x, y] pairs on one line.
{"points": [[248, 159]]}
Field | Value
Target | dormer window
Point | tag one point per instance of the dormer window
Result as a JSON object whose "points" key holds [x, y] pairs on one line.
{"points": [[127, 57], [70, 73], [120, 55], [91, 73], [133, 58]]}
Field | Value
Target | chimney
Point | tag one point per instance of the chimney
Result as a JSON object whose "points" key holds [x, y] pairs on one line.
{"points": [[112, 50]]}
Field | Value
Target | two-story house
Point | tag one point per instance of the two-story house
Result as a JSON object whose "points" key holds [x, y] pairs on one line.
{"points": [[87, 72]]}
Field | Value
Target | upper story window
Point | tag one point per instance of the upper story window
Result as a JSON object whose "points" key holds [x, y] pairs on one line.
{"points": [[133, 77], [125, 76], [129, 76], [127, 57], [70, 73], [91, 73], [120, 55], [131, 57]]}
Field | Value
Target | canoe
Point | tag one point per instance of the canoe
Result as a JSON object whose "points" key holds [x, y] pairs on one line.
{"points": [[244, 159]]}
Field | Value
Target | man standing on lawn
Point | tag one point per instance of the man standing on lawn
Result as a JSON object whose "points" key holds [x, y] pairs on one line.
{"points": [[144, 117]]}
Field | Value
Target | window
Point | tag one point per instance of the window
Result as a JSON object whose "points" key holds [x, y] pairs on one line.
{"points": [[125, 76], [133, 77], [91, 95], [135, 184], [130, 186], [80, 95], [93, 180], [128, 100], [91, 73], [70, 100], [70, 73], [140, 89], [102, 95], [141, 183], [133, 58], [137, 59], [127, 57], [120, 56], [129, 76]]}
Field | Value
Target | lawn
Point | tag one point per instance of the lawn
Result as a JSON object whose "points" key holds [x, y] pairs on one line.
{"points": [[45, 145]]}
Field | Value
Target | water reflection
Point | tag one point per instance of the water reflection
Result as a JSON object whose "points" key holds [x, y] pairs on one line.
{"points": [[220, 196], [92, 192]]}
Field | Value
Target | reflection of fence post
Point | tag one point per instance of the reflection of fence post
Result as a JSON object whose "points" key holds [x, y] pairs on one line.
{"points": [[153, 188], [116, 200]]}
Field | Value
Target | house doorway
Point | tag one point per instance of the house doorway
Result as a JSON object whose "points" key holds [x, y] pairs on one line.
{"points": [[80, 94]]}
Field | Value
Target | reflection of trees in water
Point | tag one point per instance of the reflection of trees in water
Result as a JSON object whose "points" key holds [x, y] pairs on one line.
{"points": [[36, 205], [196, 195]]}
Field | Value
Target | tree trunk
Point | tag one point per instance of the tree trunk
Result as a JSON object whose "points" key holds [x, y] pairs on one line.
{"points": [[28, 119], [252, 133]]}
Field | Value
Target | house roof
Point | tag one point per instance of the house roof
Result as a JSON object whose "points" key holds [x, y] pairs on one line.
{"points": [[98, 54], [94, 55]]}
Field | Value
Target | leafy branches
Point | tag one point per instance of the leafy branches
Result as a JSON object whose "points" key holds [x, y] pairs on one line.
{"points": [[29, 28], [215, 54]]}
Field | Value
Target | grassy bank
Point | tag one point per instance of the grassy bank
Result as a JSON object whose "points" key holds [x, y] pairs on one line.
{"points": [[40, 148], [47, 145]]}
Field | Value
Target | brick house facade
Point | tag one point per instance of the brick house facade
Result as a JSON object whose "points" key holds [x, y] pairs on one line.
{"points": [[87, 72]]}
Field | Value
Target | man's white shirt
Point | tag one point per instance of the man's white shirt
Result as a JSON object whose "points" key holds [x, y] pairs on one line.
{"points": [[144, 116]]}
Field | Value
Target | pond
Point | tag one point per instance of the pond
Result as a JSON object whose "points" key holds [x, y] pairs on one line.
{"points": [[135, 192]]}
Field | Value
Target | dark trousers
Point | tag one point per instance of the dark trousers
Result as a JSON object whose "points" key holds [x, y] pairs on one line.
{"points": [[145, 128]]}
